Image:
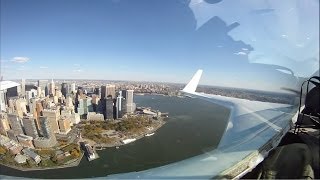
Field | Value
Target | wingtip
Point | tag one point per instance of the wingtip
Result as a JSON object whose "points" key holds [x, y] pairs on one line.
{"points": [[193, 84]]}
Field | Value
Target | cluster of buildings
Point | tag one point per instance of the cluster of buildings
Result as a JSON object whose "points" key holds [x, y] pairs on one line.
{"points": [[32, 115]]}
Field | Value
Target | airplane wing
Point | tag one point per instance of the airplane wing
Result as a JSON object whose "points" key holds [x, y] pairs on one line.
{"points": [[254, 129]]}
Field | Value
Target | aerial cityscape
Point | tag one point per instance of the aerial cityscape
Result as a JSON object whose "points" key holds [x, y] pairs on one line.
{"points": [[149, 89], [46, 123], [52, 120]]}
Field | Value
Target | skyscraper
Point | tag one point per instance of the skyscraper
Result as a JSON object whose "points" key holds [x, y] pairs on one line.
{"points": [[85, 106], [23, 87], [52, 88], [20, 107], [107, 91], [124, 94], [4, 124], [111, 91], [30, 126], [64, 125], [52, 116], [64, 89], [43, 85], [45, 125], [15, 124], [129, 96], [48, 140], [130, 106], [118, 107], [109, 110], [39, 92], [97, 91], [103, 92], [73, 88], [38, 112]]}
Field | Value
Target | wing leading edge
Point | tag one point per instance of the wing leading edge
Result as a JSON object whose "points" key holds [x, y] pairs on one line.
{"points": [[254, 128]]}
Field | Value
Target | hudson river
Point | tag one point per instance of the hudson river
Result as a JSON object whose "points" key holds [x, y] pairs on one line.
{"points": [[193, 127]]}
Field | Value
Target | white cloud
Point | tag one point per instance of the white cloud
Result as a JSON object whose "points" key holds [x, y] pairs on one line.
{"points": [[20, 59], [77, 65], [77, 70], [284, 36], [245, 49], [240, 53], [219, 46], [43, 67]]}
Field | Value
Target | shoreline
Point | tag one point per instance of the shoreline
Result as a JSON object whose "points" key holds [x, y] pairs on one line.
{"points": [[137, 137], [74, 163]]}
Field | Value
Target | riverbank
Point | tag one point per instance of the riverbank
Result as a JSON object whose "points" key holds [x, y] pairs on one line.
{"points": [[101, 146]]}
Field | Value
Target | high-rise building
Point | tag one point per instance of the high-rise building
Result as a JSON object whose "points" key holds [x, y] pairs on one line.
{"points": [[15, 124], [74, 118], [64, 89], [38, 112], [53, 115], [4, 124], [48, 140], [69, 102], [120, 106], [108, 91], [95, 102], [111, 91], [12, 135], [23, 87], [109, 110], [45, 125], [130, 106], [43, 84], [64, 125], [20, 107], [3, 101], [39, 92], [85, 106], [97, 91], [52, 88], [30, 126], [25, 141], [103, 92], [124, 94], [73, 88], [30, 94]]}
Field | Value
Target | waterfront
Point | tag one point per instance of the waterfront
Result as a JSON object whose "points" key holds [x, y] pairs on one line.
{"points": [[194, 126]]}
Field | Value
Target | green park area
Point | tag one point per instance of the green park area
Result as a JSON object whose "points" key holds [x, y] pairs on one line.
{"points": [[94, 130]]}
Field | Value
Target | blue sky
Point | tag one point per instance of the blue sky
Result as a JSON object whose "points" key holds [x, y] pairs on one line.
{"points": [[154, 40]]}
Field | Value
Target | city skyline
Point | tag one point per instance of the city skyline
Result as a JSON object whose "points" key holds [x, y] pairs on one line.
{"points": [[110, 41]]}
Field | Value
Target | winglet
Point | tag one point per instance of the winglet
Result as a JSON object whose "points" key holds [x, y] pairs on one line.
{"points": [[192, 85]]}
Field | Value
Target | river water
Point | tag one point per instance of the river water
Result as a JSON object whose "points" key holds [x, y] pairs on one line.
{"points": [[194, 126]]}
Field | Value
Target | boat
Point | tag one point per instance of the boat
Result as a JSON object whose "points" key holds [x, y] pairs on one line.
{"points": [[126, 141], [117, 147], [149, 134]]}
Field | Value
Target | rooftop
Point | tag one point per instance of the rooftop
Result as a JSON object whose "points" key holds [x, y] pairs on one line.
{"points": [[7, 84]]}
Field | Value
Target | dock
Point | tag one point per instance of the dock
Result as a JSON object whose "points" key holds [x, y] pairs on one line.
{"points": [[89, 152]]}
